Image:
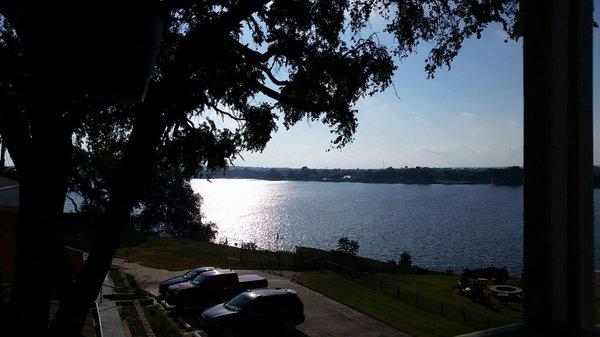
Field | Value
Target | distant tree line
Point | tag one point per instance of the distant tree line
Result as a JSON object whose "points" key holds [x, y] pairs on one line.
{"points": [[408, 175]]}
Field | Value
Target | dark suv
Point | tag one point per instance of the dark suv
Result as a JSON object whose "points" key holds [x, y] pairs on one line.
{"points": [[255, 312]]}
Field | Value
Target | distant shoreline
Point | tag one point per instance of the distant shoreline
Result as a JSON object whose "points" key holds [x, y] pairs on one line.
{"points": [[499, 176], [408, 182], [438, 182], [507, 176]]}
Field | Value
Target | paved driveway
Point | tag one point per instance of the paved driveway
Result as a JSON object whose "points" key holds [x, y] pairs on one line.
{"points": [[324, 317]]}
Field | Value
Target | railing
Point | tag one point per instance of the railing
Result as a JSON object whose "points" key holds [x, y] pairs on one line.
{"points": [[450, 311], [266, 245], [252, 256], [305, 258], [265, 259]]}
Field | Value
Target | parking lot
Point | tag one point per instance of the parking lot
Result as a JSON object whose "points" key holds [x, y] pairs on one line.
{"points": [[324, 317]]}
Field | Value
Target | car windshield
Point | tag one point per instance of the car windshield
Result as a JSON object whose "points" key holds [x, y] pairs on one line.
{"points": [[240, 301], [192, 274]]}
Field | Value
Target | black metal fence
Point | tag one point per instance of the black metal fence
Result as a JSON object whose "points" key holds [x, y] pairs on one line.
{"points": [[312, 259], [452, 312], [256, 258]]}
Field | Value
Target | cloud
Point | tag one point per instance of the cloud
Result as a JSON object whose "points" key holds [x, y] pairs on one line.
{"points": [[459, 154], [422, 122], [468, 115], [447, 149]]}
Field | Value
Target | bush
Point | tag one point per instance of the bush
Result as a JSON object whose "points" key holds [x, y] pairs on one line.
{"points": [[405, 260], [348, 246], [249, 246]]}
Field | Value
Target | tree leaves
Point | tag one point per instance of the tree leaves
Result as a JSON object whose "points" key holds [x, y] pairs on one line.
{"points": [[254, 63]]}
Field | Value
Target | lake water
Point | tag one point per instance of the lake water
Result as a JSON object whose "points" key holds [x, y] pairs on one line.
{"points": [[441, 226]]}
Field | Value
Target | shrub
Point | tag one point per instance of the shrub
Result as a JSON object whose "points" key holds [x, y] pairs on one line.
{"points": [[249, 246], [405, 260], [348, 246]]}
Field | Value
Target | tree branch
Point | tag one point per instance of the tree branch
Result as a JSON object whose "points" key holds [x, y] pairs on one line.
{"points": [[257, 30], [257, 58], [73, 203], [217, 29], [276, 95], [245, 9], [225, 113], [272, 77]]}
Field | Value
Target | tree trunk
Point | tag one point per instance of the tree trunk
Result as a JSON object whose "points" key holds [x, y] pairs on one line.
{"points": [[43, 183], [2, 156], [134, 171]]}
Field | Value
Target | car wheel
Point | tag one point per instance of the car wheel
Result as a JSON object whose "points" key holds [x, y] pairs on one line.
{"points": [[288, 327], [228, 332]]}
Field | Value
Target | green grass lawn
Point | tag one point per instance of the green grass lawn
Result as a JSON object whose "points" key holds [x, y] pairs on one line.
{"points": [[442, 288], [163, 253], [404, 317], [161, 326]]}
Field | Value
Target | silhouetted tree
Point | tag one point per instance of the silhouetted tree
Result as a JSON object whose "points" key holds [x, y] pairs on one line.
{"points": [[348, 246], [167, 205], [174, 209], [249, 246], [249, 61], [508, 176], [405, 260]]}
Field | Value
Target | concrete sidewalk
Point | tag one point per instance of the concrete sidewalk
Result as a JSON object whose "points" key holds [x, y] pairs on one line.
{"points": [[324, 316], [109, 313]]}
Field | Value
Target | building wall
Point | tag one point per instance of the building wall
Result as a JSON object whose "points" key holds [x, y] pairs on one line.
{"points": [[8, 247]]}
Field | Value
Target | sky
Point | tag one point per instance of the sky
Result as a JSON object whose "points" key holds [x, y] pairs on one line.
{"points": [[469, 116]]}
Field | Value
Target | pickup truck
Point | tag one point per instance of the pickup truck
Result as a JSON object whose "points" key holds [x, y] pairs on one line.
{"points": [[190, 275], [212, 287]]}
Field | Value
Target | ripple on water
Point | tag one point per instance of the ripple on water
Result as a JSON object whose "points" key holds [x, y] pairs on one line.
{"points": [[442, 226]]}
